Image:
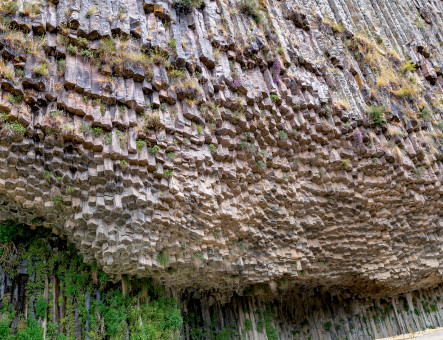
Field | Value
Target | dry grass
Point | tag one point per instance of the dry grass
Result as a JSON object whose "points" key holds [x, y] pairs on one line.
{"points": [[341, 103], [395, 131], [388, 77]]}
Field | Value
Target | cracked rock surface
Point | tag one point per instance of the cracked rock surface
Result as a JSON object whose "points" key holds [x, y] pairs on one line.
{"points": [[211, 151]]}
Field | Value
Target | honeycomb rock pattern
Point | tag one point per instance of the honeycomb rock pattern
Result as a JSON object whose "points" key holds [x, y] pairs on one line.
{"points": [[260, 163]]}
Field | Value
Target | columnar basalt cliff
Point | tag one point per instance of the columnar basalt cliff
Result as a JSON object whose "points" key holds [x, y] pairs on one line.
{"points": [[235, 150]]}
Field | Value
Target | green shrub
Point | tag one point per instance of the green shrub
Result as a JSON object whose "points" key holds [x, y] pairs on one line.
{"points": [[377, 114], [40, 307], [41, 70], [282, 135], [87, 53], [71, 50], [154, 149], [140, 143], [212, 148], [8, 232], [163, 258], [168, 173], [187, 4], [274, 98], [408, 66], [251, 8]]}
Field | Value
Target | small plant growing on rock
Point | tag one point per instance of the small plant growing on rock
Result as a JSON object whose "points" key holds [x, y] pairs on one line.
{"points": [[187, 4], [345, 164], [274, 98], [13, 126], [212, 148], [41, 70], [153, 121], [90, 12], [71, 50], [282, 135], [61, 66], [140, 143], [408, 66], [154, 149], [163, 258], [86, 53], [251, 8], [123, 163], [69, 189], [97, 132], [260, 164], [168, 173], [58, 201], [377, 114]]}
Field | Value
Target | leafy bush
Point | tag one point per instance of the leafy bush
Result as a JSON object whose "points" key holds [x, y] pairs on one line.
{"points": [[187, 5], [212, 148], [40, 307], [41, 70], [408, 66], [274, 98], [377, 114], [8, 231], [251, 8], [71, 50], [140, 143]]}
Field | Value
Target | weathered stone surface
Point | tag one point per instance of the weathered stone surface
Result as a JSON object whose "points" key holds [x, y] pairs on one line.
{"points": [[240, 150]]}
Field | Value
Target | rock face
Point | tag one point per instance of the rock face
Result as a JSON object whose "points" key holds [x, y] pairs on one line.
{"points": [[222, 146]]}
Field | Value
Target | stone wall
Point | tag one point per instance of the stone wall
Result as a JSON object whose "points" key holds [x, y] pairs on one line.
{"points": [[215, 148]]}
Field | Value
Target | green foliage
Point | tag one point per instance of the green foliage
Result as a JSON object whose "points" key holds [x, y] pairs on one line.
{"points": [[154, 149], [282, 135], [163, 258], [173, 45], [32, 332], [328, 325], [251, 8], [123, 163], [212, 148], [40, 307], [187, 4], [260, 164], [41, 70], [274, 98], [201, 256], [140, 143], [14, 99], [82, 42], [8, 231], [408, 66], [71, 50], [13, 125], [97, 132], [248, 325], [90, 12], [87, 53], [168, 173], [174, 73], [377, 114]]}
